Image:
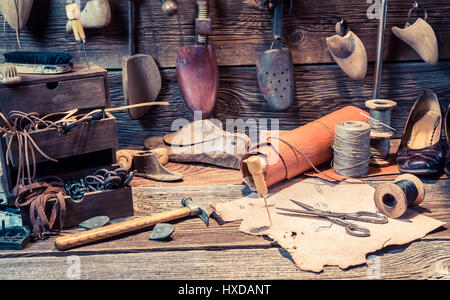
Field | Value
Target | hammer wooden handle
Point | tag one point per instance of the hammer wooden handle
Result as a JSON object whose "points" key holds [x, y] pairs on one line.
{"points": [[256, 169], [73, 240]]}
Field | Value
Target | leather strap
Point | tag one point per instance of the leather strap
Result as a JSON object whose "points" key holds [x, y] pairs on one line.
{"points": [[35, 197]]}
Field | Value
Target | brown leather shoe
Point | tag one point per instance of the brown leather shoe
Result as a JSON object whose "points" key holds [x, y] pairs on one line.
{"points": [[420, 150], [447, 139]]}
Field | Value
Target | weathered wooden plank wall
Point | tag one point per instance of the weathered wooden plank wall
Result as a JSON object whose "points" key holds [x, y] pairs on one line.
{"points": [[241, 31]]}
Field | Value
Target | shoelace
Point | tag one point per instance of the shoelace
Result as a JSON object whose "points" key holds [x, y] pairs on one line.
{"points": [[102, 179]]}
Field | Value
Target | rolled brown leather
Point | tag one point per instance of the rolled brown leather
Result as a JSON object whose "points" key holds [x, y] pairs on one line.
{"points": [[314, 140]]}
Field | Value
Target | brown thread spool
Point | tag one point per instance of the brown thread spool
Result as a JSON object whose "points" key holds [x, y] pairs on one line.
{"points": [[393, 199], [380, 135]]}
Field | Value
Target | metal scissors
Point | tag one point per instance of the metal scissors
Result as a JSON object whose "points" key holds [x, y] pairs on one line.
{"points": [[340, 218]]}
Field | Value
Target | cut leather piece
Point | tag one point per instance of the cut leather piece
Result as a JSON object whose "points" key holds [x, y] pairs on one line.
{"points": [[275, 72], [148, 166], [349, 53], [203, 142], [141, 81], [420, 151], [331, 176], [198, 78], [314, 243], [313, 140], [95, 15], [16, 17], [421, 37], [202, 131]]}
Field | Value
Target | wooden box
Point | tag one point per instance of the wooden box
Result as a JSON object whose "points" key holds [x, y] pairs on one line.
{"points": [[114, 203], [46, 94], [84, 138]]}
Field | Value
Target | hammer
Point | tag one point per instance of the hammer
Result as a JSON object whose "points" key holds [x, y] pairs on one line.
{"points": [[77, 239]]}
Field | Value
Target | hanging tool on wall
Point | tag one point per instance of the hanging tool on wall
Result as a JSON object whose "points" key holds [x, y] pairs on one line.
{"points": [[197, 71], [380, 49], [74, 15], [89, 236], [141, 78], [275, 69], [169, 7]]}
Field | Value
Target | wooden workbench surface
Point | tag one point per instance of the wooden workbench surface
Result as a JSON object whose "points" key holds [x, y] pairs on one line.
{"points": [[221, 251]]}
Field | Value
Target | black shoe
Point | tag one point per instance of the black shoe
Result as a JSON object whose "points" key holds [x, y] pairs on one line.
{"points": [[447, 139], [420, 150]]}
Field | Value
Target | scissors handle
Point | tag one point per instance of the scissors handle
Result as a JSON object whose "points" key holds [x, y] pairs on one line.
{"points": [[355, 230], [367, 217], [350, 228]]}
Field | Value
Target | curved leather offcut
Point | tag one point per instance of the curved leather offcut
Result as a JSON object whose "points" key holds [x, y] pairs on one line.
{"points": [[421, 37], [349, 53], [313, 140]]}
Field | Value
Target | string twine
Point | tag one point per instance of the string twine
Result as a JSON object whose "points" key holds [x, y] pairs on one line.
{"points": [[410, 190], [380, 117], [19, 126], [351, 149], [379, 148], [100, 180]]}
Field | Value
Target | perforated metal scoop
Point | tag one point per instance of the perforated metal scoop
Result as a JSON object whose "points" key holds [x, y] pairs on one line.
{"points": [[275, 71]]}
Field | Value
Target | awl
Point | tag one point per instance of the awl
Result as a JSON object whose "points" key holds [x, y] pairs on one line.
{"points": [[74, 14]]}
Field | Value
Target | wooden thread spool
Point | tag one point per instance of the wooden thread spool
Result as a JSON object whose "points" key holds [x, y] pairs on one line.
{"points": [[380, 135], [351, 148], [393, 199]]}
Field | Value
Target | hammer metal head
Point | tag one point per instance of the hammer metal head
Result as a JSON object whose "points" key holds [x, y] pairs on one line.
{"points": [[196, 210]]}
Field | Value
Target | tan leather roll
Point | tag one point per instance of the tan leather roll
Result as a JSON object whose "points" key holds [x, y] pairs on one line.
{"points": [[314, 140]]}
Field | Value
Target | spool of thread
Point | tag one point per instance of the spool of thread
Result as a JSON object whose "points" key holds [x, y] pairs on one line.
{"points": [[393, 199], [351, 149], [380, 135]]}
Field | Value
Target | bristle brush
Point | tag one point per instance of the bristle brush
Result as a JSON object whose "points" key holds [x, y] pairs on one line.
{"points": [[9, 74], [40, 62]]}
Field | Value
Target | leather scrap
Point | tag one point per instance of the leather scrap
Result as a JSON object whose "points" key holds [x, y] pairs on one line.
{"points": [[315, 243], [313, 141], [203, 142]]}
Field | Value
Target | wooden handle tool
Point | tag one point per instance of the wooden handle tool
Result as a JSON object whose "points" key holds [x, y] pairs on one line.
{"points": [[74, 15], [81, 238], [255, 166]]}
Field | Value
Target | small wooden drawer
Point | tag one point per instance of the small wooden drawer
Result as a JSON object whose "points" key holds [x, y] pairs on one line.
{"points": [[46, 94], [84, 138], [117, 203]]}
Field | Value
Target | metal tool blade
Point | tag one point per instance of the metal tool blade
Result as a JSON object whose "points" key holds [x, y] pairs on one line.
{"points": [[85, 56], [161, 231], [95, 222]]}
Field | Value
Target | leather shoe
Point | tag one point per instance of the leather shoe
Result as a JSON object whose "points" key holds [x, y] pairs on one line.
{"points": [[420, 150], [447, 139]]}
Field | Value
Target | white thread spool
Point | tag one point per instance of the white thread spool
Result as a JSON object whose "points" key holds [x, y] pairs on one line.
{"points": [[351, 148]]}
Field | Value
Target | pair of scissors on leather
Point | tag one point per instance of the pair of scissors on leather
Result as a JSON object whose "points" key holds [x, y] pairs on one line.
{"points": [[340, 218]]}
